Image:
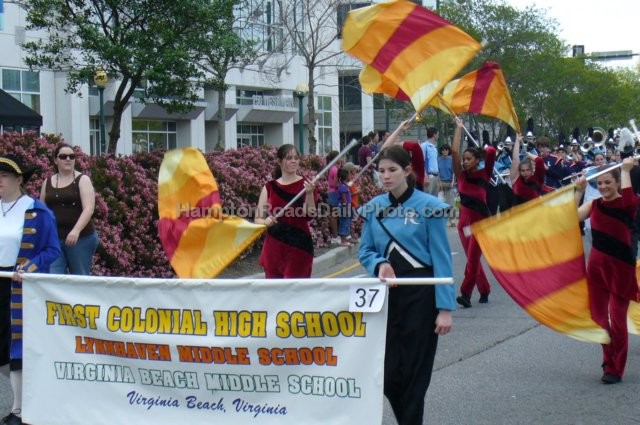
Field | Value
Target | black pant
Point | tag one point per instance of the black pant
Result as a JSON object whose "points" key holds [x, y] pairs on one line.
{"points": [[5, 317], [410, 350]]}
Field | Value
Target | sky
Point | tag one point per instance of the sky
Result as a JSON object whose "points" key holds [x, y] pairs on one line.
{"points": [[599, 25]]}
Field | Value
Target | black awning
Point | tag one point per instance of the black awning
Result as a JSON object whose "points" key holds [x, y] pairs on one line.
{"points": [[14, 113]]}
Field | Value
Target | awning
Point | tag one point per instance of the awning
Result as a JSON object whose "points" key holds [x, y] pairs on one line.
{"points": [[14, 113]]}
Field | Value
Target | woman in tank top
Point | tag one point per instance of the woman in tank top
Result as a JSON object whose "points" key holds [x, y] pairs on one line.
{"points": [[71, 197]]}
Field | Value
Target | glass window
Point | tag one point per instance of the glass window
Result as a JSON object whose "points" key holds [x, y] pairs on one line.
{"points": [[324, 125], [23, 85], [10, 80], [30, 81], [151, 135], [250, 135], [349, 91]]}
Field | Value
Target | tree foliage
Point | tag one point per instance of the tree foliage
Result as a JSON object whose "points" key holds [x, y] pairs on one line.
{"points": [[557, 91], [142, 44]]}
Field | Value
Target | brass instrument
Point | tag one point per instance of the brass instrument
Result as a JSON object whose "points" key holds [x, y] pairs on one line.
{"points": [[587, 145], [599, 137]]}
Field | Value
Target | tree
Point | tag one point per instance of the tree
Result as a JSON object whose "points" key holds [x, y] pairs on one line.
{"points": [[223, 50], [311, 27], [147, 45]]}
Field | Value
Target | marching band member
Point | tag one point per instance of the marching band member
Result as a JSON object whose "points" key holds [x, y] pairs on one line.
{"points": [[472, 186], [404, 235], [500, 196], [611, 268], [527, 176], [553, 164]]}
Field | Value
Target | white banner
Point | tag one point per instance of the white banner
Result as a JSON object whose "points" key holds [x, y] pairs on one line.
{"points": [[119, 350]]}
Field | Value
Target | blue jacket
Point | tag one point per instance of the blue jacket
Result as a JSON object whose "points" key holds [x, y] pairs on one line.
{"points": [[39, 248], [420, 227]]}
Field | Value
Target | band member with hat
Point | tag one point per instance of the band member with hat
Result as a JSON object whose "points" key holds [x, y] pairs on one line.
{"points": [[28, 244]]}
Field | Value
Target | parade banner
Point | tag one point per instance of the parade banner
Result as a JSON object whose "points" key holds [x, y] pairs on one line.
{"points": [[161, 351]]}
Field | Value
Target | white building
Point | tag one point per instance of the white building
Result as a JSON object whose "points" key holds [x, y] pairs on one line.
{"points": [[261, 108]]}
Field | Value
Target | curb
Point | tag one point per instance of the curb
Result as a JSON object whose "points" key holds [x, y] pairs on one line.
{"points": [[325, 261]]}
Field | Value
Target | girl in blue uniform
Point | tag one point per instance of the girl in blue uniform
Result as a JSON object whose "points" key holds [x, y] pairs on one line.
{"points": [[404, 235]]}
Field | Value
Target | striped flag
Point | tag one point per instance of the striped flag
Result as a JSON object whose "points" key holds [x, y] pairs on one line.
{"points": [[535, 252], [633, 315], [412, 47], [200, 241], [482, 92]]}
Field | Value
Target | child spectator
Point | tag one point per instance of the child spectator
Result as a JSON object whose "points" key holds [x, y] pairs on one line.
{"points": [[344, 221]]}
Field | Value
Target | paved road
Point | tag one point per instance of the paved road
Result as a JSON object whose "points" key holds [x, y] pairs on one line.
{"points": [[501, 367]]}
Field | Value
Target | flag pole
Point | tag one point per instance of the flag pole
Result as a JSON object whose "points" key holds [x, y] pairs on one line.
{"points": [[446, 105], [373, 160], [351, 145]]}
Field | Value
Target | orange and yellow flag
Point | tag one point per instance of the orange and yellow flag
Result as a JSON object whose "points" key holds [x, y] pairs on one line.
{"points": [[407, 45], [199, 240], [535, 252], [483, 92]]}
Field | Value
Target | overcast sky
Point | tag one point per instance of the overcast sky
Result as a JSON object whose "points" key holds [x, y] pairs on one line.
{"points": [[599, 25]]}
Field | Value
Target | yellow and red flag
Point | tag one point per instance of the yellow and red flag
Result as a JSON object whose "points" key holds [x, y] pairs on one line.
{"points": [[412, 47], [199, 240], [483, 92], [633, 314], [535, 252]]}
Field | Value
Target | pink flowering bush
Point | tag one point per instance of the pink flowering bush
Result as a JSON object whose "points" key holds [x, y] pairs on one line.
{"points": [[126, 213]]}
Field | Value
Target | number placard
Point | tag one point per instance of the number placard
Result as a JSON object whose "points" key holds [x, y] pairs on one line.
{"points": [[367, 298]]}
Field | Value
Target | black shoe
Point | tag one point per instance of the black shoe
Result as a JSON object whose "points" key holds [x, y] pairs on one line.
{"points": [[464, 301], [11, 419], [484, 298], [608, 378]]}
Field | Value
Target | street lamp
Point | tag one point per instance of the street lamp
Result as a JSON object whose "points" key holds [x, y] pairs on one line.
{"points": [[101, 79], [301, 91]]}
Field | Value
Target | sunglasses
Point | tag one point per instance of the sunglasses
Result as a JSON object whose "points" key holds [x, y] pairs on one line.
{"points": [[67, 156]]}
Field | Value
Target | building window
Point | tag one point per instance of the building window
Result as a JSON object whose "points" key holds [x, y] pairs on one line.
{"points": [[97, 146], [325, 132], [245, 97], [151, 135], [343, 10], [23, 85], [261, 21], [250, 135], [350, 93]]}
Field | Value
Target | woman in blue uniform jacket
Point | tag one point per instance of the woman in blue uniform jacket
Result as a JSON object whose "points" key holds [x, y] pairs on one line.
{"points": [[404, 235], [28, 243]]}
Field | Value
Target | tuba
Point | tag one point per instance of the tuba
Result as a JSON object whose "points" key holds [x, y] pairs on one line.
{"points": [[599, 137]]}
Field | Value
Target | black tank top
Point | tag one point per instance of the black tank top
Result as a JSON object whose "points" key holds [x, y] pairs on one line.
{"points": [[66, 206]]}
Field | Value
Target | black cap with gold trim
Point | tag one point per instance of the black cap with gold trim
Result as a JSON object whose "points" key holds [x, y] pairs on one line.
{"points": [[13, 164]]}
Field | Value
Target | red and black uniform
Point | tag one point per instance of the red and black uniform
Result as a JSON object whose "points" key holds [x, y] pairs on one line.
{"points": [[532, 187], [288, 248], [472, 187], [611, 274]]}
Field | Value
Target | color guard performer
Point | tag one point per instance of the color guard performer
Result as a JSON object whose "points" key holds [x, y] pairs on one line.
{"points": [[611, 269], [472, 186]]}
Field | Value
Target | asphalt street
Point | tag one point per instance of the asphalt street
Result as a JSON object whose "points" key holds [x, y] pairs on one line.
{"points": [[499, 366]]}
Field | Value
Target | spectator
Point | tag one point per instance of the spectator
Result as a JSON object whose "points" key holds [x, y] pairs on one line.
{"points": [[344, 221], [71, 197]]}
